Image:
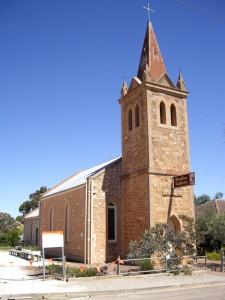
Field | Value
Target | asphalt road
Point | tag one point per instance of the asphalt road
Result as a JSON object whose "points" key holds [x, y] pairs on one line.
{"points": [[196, 293], [200, 293], [216, 292]]}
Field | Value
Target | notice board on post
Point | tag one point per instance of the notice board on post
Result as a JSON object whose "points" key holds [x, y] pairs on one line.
{"points": [[52, 239]]}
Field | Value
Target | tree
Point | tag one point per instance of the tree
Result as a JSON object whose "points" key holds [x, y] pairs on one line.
{"points": [[202, 199], [9, 230], [25, 207], [205, 198], [19, 219], [219, 195], [210, 233], [6, 222], [33, 201]]}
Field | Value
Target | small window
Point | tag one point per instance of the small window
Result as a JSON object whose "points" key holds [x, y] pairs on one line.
{"points": [[137, 116], [130, 125], [173, 115], [162, 113], [111, 222]]}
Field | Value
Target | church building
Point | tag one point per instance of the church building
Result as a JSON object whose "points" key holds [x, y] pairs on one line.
{"points": [[103, 208]]}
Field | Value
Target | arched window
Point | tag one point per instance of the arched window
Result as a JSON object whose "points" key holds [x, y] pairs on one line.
{"points": [[66, 229], [173, 115], [130, 125], [50, 220], [31, 232], [137, 116], [162, 113], [111, 222]]}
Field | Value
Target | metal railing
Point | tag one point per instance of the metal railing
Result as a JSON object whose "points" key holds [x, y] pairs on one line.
{"points": [[159, 264]]}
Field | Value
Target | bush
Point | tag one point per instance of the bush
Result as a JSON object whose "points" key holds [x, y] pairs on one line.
{"points": [[81, 272], [146, 265], [54, 269], [73, 271], [176, 272], [213, 255], [10, 238], [187, 271]]}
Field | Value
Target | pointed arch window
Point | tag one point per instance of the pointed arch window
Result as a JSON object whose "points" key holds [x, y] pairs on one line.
{"points": [[137, 116], [50, 220], [173, 115], [130, 125], [66, 229], [111, 222], [162, 109]]}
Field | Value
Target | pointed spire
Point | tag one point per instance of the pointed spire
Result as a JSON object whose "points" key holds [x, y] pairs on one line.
{"points": [[124, 89], [181, 83], [151, 56]]}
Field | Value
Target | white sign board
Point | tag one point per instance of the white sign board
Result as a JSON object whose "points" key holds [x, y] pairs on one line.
{"points": [[52, 239]]}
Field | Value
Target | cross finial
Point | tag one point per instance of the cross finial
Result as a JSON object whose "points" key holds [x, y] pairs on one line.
{"points": [[149, 11]]}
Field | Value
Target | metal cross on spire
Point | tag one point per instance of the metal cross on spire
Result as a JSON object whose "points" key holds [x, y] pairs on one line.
{"points": [[149, 9]]}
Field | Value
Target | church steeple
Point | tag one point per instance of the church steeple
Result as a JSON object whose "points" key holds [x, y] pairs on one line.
{"points": [[151, 57]]}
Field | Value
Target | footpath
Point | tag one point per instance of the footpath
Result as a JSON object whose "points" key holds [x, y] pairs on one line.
{"points": [[15, 282], [87, 287]]}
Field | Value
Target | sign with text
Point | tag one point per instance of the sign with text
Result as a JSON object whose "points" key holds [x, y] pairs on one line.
{"points": [[184, 180], [52, 239]]}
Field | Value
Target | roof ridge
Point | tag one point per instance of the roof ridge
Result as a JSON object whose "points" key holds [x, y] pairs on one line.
{"points": [[77, 179], [61, 182]]}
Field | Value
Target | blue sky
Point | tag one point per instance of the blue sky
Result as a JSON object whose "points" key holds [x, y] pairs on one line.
{"points": [[62, 64]]}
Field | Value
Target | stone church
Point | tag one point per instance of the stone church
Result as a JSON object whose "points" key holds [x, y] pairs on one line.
{"points": [[103, 208]]}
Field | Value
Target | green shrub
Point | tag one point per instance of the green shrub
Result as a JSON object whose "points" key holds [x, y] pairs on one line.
{"points": [[176, 272], [81, 272], [187, 271], [10, 238], [73, 271], [213, 255], [54, 269], [146, 265]]}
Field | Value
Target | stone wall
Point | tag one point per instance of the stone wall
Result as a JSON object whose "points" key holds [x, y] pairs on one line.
{"points": [[106, 189], [75, 201], [31, 231]]}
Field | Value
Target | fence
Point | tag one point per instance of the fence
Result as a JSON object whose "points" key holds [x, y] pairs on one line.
{"points": [[159, 264]]}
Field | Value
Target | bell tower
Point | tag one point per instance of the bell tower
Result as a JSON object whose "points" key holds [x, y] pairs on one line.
{"points": [[155, 146]]}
